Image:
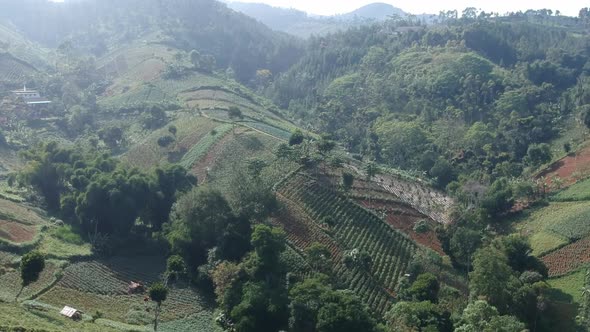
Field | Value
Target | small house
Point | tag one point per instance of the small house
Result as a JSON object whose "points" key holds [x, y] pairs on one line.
{"points": [[71, 313]]}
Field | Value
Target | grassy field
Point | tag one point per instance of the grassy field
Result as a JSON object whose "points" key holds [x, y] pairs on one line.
{"points": [[56, 247], [555, 225], [10, 281], [570, 284], [44, 318], [577, 192], [190, 131]]}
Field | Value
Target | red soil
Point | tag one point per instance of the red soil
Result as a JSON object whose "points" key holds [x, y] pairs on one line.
{"points": [[200, 168], [16, 232], [566, 167], [403, 219], [568, 258], [301, 230]]}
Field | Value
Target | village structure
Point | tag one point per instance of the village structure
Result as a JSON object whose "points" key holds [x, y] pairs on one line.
{"points": [[30, 97], [71, 313]]}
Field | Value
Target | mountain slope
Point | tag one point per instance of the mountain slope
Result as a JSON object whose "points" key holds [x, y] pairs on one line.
{"points": [[377, 11], [302, 24], [235, 40]]}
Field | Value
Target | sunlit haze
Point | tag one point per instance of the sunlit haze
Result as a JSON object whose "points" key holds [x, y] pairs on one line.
{"points": [[330, 7]]}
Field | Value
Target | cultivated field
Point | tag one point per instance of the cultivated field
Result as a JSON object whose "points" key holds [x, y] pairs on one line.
{"points": [[556, 225], [309, 203]]}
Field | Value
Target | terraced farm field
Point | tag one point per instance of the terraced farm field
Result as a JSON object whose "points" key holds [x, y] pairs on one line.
{"points": [[192, 130], [238, 150], [556, 225], [568, 258], [577, 192], [19, 212], [14, 70], [10, 283], [102, 285], [16, 232], [570, 168], [391, 208], [355, 228]]}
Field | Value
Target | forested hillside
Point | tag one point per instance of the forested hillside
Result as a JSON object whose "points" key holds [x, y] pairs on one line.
{"points": [[178, 166], [304, 25], [235, 40]]}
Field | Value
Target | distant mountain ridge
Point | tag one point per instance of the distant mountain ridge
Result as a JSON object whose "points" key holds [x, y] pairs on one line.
{"points": [[376, 11], [302, 24]]}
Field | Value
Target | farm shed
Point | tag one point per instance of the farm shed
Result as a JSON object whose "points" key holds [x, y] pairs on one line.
{"points": [[71, 313]]}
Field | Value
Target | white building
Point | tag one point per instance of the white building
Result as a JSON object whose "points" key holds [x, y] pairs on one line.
{"points": [[30, 97]]}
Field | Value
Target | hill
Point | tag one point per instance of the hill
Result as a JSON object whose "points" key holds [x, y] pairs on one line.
{"points": [[377, 11], [393, 176], [235, 40], [304, 25]]}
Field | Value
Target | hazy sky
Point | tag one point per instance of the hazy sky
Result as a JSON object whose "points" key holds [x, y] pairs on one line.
{"points": [[330, 7]]}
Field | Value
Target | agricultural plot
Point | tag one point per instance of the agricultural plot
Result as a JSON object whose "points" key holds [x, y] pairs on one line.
{"points": [[56, 248], [279, 133], [571, 284], [237, 151], [113, 307], [568, 258], [14, 70], [200, 149], [570, 168], [190, 131], [141, 94], [355, 228], [190, 82], [37, 317], [555, 225], [115, 274], [577, 192], [10, 283], [427, 200], [202, 321], [19, 212], [395, 211], [15, 232]]}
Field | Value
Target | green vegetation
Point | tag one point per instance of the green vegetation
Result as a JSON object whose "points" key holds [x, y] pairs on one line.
{"points": [[557, 224], [202, 147], [578, 192], [571, 284], [350, 156]]}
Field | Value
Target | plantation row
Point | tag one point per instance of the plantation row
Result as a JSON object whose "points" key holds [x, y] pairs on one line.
{"points": [[302, 232], [112, 277], [200, 149], [355, 228], [568, 258], [424, 199], [92, 277], [370, 292]]}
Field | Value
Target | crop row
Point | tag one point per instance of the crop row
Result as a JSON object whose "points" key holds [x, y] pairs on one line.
{"points": [[573, 224], [568, 258], [355, 228], [92, 277], [10, 282], [200, 149]]}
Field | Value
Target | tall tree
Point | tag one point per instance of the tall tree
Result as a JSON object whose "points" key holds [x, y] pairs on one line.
{"points": [[31, 266], [158, 293]]}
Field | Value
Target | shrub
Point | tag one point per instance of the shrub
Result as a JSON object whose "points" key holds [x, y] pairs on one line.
{"points": [[421, 226], [296, 138], [165, 141], [66, 234]]}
